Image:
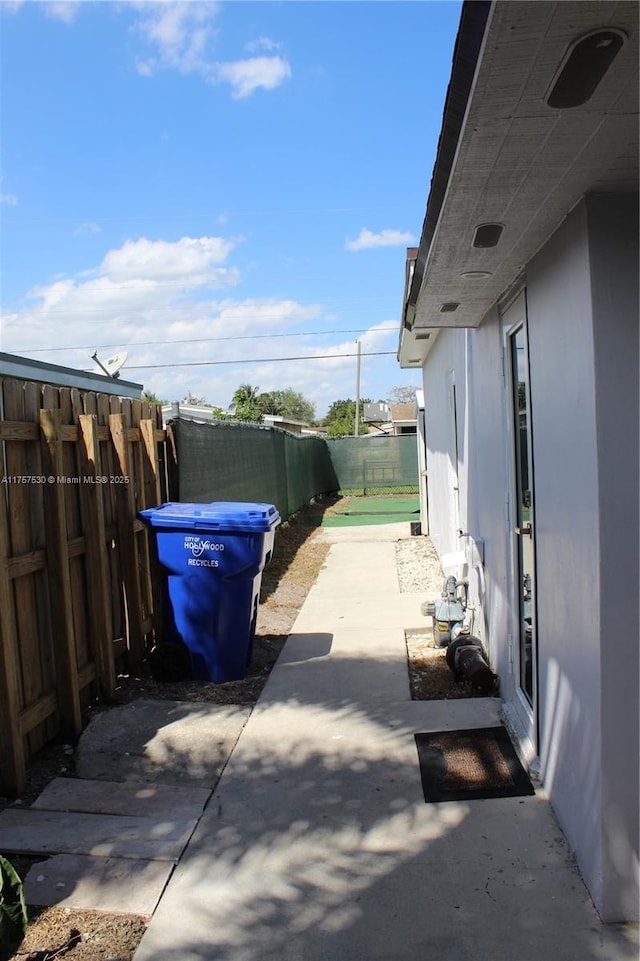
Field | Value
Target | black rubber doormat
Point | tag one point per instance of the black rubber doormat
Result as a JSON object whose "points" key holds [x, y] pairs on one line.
{"points": [[470, 765]]}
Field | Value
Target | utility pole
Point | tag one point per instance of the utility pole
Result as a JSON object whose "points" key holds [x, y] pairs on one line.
{"points": [[357, 423]]}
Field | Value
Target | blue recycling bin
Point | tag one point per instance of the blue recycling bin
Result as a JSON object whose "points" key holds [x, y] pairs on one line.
{"points": [[211, 559]]}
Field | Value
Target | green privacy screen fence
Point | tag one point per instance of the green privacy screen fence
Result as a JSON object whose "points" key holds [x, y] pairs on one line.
{"points": [[226, 461], [375, 462]]}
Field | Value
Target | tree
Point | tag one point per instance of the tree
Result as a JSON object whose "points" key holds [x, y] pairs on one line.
{"points": [[151, 398], [219, 414], [246, 404], [193, 400], [402, 395], [340, 428], [297, 406], [340, 420], [287, 403], [270, 404]]}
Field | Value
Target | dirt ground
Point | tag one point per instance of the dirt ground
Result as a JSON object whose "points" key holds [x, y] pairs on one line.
{"points": [[298, 556]]}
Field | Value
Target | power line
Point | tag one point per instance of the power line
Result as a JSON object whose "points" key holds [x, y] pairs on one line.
{"points": [[204, 216], [199, 340], [37, 314], [260, 360]]}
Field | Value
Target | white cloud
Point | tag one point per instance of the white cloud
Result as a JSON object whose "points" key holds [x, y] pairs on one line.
{"points": [[170, 304], [381, 336], [366, 239], [247, 76], [9, 199], [179, 32], [152, 298], [88, 227], [147, 68], [65, 10], [181, 35], [136, 286], [262, 43], [189, 261]]}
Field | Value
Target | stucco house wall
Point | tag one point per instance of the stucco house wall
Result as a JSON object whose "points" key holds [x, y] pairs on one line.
{"points": [[447, 354], [529, 251], [567, 544], [486, 496], [582, 308], [613, 250]]}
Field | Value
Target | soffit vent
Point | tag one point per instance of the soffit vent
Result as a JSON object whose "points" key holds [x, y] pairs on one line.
{"points": [[422, 336], [583, 67], [448, 308], [487, 235]]}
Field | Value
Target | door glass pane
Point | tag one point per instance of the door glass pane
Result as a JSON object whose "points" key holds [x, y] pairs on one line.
{"points": [[523, 526]]}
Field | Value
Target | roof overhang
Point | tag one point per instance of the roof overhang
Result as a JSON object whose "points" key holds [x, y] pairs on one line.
{"points": [[25, 368], [506, 157]]}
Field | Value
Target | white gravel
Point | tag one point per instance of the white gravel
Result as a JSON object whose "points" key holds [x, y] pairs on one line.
{"points": [[418, 566]]}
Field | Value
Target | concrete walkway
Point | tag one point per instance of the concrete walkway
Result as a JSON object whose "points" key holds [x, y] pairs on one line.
{"points": [[111, 836], [317, 844]]}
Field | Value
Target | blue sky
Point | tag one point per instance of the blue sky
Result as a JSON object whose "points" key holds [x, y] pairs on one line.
{"points": [[213, 187]]}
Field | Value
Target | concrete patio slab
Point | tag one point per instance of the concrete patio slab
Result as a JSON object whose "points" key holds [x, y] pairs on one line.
{"points": [[317, 843], [363, 611], [363, 664], [170, 742], [371, 534], [328, 852], [118, 885], [129, 798], [107, 835]]}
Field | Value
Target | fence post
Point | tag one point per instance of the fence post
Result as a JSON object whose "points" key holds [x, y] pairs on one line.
{"points": [[97, 562], [58, 574]]}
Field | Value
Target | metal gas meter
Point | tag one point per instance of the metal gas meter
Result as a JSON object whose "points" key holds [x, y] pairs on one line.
{"points": [[452, 622], [448, 612]]}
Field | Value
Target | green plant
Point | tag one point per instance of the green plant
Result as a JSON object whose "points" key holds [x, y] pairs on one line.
{"points": [[13, 908]]}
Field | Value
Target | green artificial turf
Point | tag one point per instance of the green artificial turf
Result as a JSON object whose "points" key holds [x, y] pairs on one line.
{"points": [[360, 511]]}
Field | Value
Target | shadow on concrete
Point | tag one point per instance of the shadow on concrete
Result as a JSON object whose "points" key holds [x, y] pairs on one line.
{"points": [[317, 844]]}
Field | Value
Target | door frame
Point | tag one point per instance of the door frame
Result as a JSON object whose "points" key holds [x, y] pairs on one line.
{"points": [[522, 715]]}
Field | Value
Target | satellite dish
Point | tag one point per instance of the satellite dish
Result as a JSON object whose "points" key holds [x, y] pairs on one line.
{"points": [[114, 363], [112, 366]]}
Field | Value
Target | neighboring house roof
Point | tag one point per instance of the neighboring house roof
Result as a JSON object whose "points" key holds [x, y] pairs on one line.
{"points": [[403, 413], [208, 414], [375, 413], [385, 417], [507, 157], [195, 412], [284, 423], [25, 368]]}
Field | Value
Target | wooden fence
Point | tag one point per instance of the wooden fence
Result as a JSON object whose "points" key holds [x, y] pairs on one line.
{"points": [[76, 586]]}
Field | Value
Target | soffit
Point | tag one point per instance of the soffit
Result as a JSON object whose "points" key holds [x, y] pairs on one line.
{"points": [[522, 163]]}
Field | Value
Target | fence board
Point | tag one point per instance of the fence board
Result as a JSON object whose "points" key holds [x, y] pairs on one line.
{"points": [[126, 509], [76, 592], [38, 733], [12, 746], [30, 651], [59, 575], [98, 564]]}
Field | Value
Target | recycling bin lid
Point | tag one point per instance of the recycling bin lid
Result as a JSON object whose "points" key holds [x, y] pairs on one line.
{"points": [[219, 515]]}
